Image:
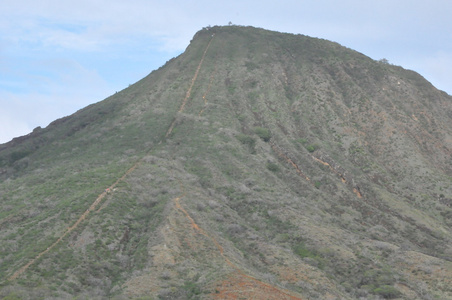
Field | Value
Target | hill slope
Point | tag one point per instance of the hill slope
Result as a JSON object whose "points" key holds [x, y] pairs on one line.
{"points": [[256, 164]]}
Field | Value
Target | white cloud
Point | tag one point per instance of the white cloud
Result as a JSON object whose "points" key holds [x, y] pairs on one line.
{"points": [[93, 25], [64, 54]]}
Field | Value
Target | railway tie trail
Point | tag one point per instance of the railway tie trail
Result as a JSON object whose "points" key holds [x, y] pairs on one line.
{"points": [[101, 196], [188, 93], [204, 97]]}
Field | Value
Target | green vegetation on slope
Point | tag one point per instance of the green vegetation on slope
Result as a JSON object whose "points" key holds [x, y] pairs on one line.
{"points": [[298, 166]]}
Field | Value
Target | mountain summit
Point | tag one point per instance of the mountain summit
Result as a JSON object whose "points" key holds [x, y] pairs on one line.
{"points": [[255, 165]]}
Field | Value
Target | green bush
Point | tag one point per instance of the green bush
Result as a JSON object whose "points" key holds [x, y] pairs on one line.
{"points": [[192, 289], [303, 252], [247, 140], [15, 156], [378, 281], [263, 133], [12, 296], [387, 291], [301, 141], [273, 167], [312, 147]]}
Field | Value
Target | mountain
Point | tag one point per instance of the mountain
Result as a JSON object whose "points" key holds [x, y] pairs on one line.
{"points": [[255, 165]]}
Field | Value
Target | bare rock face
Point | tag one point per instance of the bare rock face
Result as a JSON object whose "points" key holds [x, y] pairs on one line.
{"points": [[255, 165]]}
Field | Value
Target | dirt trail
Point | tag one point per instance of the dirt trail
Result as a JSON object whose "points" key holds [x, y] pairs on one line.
{"points": [[75, 225], [187, 95], [340, 174], [290, 161], [204, 97], [258, 286], [295, 166], [110, 188]]}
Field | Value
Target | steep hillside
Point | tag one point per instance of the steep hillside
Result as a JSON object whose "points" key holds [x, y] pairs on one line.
{"points": [[256, 165]]}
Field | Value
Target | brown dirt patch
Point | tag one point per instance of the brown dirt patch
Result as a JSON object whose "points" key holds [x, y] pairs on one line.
{"points": [[239, 286]]}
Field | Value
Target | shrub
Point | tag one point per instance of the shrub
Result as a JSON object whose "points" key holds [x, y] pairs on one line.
{"points": [[303, 252], [247, 140], [312, 147], [301, 141], [263, 133], [273, 167], [192, 289], [12, 296], [378, 281], [15, 156], [387, 291]]}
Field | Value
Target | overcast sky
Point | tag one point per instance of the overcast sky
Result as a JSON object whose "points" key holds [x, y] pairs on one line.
{"points": [[58, 56]]}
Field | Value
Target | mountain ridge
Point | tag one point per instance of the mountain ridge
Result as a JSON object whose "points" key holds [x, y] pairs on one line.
{"points": [[278, 144]]}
